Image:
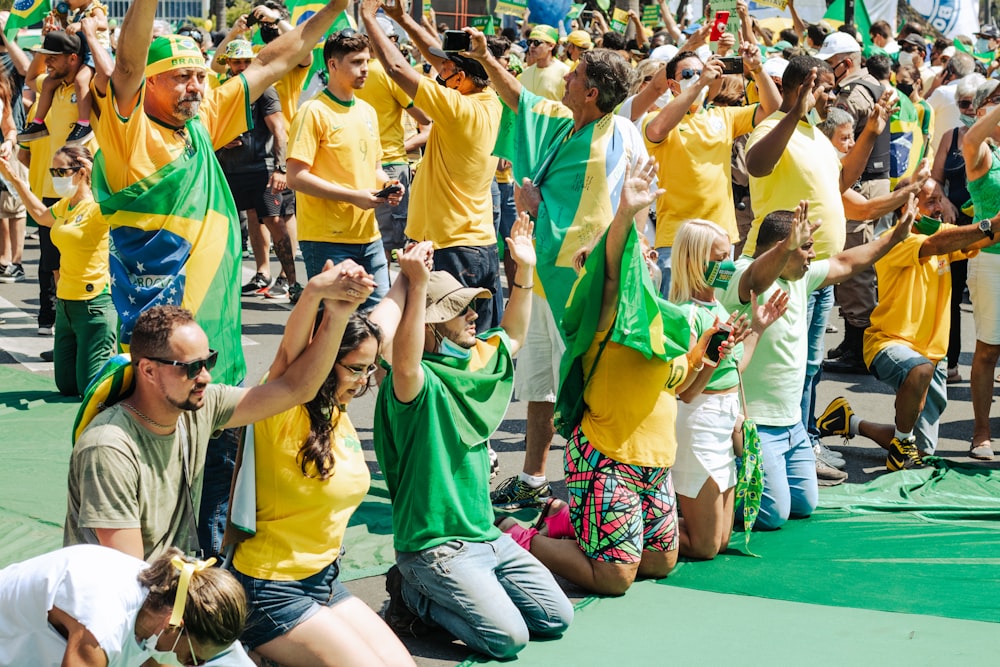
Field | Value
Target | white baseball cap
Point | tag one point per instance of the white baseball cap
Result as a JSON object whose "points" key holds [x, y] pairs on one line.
{"points": [[837, 43], [665, 53]]}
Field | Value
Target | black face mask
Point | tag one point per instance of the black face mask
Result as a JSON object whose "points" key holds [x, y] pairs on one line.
{"points": [[905, 88], [268, 33]]}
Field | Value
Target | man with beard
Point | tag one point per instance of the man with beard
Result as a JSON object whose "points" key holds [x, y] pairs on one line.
{"points": [[174, 229], [137, 470]]}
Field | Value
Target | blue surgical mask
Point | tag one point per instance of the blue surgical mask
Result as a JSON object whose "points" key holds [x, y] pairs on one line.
{"points": [[926, 225], [718, 274], [967, 121], [450, 349]]}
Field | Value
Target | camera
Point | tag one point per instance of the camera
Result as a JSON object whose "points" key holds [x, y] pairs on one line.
{"points": [[732, 65], [455, 41]]}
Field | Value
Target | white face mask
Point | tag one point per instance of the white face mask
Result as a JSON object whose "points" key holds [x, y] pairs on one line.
{"points": [[910, 59], [687, 84], [982, 45], [840, 154], [63, 185], [136, 653]]}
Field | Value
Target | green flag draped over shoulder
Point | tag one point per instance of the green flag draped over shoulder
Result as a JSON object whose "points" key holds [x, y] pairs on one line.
{"points": [[644, 322], [175, 240]]}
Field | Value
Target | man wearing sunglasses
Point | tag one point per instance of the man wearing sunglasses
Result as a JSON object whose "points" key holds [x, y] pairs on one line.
{"points": [[137, 470], [545, 76]]}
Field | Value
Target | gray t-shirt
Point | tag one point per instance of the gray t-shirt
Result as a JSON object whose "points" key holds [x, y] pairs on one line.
{"points": [[123, 476]]}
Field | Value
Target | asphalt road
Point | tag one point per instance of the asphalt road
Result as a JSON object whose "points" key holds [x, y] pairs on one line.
{"points": [[263, 324]]}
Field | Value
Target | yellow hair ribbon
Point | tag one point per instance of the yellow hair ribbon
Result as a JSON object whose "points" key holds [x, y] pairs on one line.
{"points": [[187, 571]]}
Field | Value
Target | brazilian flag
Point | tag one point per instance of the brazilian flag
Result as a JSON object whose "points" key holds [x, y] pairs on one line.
{"points": [[644, 321], [24, 13]]}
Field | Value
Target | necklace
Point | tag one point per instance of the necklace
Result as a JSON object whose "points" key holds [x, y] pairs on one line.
{"points": [[142, 416]]}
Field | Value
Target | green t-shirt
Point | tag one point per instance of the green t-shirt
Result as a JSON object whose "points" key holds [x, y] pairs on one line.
{"points": [[774, 378], [433, 450], [702, 316], [985, 193], [123, 476]]}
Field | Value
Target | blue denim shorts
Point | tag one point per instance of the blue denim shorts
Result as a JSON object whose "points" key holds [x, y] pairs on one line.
{"points": [[275, 607], [892, 365]]}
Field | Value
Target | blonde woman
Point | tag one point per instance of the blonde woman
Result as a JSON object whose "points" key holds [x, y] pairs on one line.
{"points": [[709, 410]]}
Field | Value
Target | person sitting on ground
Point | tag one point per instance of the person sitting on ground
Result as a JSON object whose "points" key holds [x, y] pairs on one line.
{"points": [[622, 510], [773, 381], [906, 345], [311, 476], [446, 392], [90, 605], [86, 320], [704, 472], [137, 470]]}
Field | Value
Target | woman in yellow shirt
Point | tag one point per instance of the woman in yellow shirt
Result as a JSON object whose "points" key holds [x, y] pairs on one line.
{"points": [[311, 476], [86, 320]]}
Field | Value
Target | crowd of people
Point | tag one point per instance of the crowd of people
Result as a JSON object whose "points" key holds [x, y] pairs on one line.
{"points": [[658, 228]]}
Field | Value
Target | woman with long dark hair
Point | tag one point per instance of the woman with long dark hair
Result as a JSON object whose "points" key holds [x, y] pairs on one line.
{"points": [[311, 477]]}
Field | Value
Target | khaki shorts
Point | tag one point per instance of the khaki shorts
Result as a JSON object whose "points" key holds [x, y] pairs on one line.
{"points": [[11, 205]]}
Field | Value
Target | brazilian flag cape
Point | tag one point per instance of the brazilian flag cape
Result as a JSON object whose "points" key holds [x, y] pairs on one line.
{"points": [[175, 240], [644, 321], [906, 140], [580, 174]]}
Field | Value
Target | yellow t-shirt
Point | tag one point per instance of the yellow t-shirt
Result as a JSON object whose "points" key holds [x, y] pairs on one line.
{"points": [[62, 115], [808, 169], [300, 520], [389, 101], [631, 407], [289, 89], [81, 235], [548, 82], [450, 202], [914, 300], [136, 146], [339, 142], [695, 169]]}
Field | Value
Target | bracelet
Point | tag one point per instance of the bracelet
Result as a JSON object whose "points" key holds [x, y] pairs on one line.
{"points": [[530, 286]]}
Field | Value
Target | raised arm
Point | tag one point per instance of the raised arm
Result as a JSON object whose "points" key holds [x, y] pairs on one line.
{"points": [[764, 154], [104, 64], [38, 211], [670, 23], [18, 57], [974, 147], [423, 38], [798, 25], [767, 268], [856, 207], [671, 115], [770, 98], [303, 360], [407, 373], [395, 63], [239, 27], [518, 311], [290, 48], [507, 86], [855, 260], [136, 33]]}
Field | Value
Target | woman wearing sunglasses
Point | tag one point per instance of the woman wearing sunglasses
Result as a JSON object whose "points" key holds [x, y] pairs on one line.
{"points": [[311, 476], [90, 605], [86, 320]]}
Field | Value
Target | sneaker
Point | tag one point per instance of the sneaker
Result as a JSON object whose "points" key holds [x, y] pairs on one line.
{"points": [[45, 331], [257, 284], [836, 419], [33, 131], [279, 290], [12, 274], [851, 362], [829, 457], [514, 493], [903, 455], [397, 615], [828, 475], [47, 355], [79, 134], [294, 292]]}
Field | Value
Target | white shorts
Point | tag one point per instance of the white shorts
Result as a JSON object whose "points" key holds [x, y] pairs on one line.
{"points": [[984, 276], [537, 376], [705, 443]]}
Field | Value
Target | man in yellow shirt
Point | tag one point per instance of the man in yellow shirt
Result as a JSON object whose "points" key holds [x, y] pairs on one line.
{"points": [[390, 102], [450, 204], [334, 163], [545, 75], [173, 222], [906, 345]]}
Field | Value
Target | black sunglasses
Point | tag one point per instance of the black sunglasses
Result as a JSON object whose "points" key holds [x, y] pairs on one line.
{"points": [[534, 42], [690, 73], [346, 33], [964, 104], [61, 172], [193, 34], [192, 368]]}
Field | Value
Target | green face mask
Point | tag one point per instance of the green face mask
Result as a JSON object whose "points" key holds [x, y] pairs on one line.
{"points": [[926, 225], [718, 274]]}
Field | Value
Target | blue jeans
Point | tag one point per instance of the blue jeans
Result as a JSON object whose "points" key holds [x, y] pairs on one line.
{"points": [[476, 266], [220, 462], [491, 595], [817, 315], [892, 365], [369, 255], [392, 219], [663, 261], [790, 487], [504, 209]]}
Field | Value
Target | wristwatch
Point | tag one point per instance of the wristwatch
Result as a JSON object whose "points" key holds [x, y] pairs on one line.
{"points": [[986, 227], [283, 169]]}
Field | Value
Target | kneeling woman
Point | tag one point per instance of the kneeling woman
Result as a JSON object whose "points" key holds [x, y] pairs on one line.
{"points": [[311, 477], [704, 472], [86, 320]]}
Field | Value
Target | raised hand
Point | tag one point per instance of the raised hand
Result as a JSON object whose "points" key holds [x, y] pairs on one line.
{"points": [[519, 243], [416, 261], [345, 282], [802, 229], [637, 192], [763, 315], [477, 45], [806, 99], [905, 225]]}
